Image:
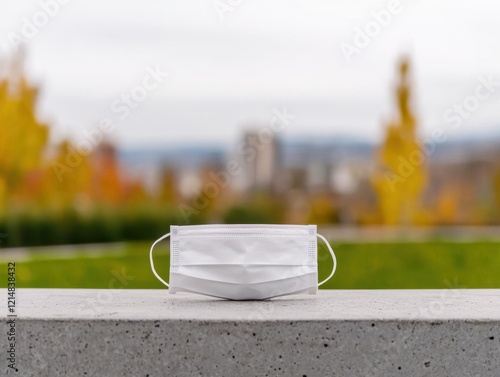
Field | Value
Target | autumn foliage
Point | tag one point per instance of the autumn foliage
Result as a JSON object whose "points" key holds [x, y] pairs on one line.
{"points": [[400, 177], [56, 187], [56, 193], [22, 136]]}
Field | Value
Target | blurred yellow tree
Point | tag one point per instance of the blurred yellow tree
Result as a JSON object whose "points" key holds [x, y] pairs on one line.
{"points": [[496, 188], [400, 176], [107, 183], [22, 136], [447, 206], [168, 187], [67, 185], [322, 209]]}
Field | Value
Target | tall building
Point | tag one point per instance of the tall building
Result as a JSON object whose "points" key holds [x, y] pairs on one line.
{"points": [[261, 162]]}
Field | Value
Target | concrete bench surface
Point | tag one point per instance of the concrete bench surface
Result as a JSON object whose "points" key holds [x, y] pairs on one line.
{"points": [[82, 332]]}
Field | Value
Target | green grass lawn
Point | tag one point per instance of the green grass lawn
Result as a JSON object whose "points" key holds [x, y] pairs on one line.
{"points": [[398, 265]]}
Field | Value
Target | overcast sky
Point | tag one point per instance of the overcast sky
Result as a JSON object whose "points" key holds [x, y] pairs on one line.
{"points": [[229, 70]]}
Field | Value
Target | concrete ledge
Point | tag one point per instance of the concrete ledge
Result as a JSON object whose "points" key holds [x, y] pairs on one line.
{"points": [[63, 332]]}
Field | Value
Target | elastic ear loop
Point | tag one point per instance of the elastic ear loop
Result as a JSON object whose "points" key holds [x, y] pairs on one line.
{"points": [[333, 257], [151, 258]]}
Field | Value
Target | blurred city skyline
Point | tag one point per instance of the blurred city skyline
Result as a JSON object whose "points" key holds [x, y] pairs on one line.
{"points": [[227, 70]]}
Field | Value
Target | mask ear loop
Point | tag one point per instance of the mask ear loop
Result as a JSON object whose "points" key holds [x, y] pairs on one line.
{"points": [[333, 257], [151, 258]]}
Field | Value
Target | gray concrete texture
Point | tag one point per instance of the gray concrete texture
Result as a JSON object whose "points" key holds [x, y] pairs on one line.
{"points": [[64, 332]]}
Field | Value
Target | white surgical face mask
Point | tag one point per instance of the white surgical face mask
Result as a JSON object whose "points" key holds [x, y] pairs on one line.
{"points": [[243, 262]]}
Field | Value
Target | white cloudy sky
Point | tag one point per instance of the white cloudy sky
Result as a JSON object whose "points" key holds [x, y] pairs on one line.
{"points": [[229, 74]]}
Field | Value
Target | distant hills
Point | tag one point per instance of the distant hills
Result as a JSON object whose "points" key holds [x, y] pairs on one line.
{"points": [[300, 152]]}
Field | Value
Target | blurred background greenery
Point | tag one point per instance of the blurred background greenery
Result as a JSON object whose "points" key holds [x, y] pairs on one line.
{"points": [[78, 207], [94, 202], [369, 265]]}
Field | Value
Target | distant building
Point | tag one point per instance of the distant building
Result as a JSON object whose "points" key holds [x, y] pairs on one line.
{"points": [[261, 162]]}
